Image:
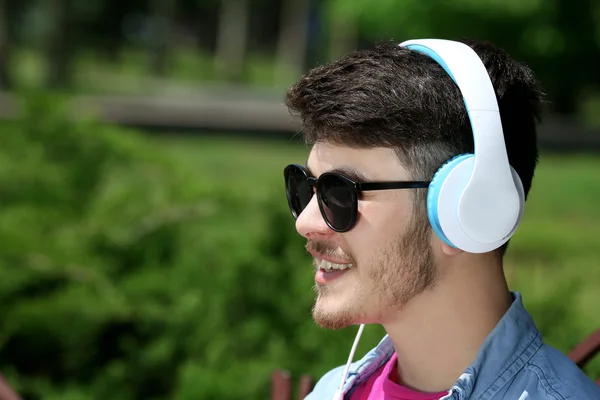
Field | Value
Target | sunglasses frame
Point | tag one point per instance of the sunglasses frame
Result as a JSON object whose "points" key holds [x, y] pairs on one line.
{"points": [[356, 188]]}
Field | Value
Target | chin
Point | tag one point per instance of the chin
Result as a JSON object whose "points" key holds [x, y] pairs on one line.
{"points": [[332, 316]]}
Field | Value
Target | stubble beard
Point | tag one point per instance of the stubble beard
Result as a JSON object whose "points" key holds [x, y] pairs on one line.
{"points": [[403, 269]]}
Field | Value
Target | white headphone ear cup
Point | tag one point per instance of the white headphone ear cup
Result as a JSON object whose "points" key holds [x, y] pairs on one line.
{"points": [[445, 191]]}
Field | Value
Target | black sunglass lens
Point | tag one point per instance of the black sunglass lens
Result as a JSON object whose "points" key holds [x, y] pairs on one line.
{"points": [[337, 198], [298, 189]]}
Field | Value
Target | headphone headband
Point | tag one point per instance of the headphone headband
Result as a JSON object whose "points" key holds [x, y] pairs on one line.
{"points": [[466, 69], [490, 202]]}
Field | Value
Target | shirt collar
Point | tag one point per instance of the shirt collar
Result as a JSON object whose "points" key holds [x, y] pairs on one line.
{"points": [[512, 342]]}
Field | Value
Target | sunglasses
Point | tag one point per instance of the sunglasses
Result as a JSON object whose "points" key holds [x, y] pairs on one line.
{"points": [[337, 195]]}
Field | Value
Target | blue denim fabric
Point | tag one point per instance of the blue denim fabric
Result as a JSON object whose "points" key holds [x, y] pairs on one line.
{"points": [[512, 364]]}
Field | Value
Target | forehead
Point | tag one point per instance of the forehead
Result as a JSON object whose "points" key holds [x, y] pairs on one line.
{"points": [[370, 164]]}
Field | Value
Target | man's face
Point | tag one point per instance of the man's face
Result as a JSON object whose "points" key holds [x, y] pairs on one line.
{"points": [[389, 248]]}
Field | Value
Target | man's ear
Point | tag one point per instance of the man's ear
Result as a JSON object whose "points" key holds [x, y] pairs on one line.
{"points": [[446, 249], [449, 250]]}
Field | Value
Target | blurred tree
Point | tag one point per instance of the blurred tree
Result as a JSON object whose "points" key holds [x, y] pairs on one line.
{"points": [[344, 35], [232, 38], [559, 41], [573, 70], [104, 28], [59, 43], [5, 46], [203, 18], [293, 39], [163, 12]]}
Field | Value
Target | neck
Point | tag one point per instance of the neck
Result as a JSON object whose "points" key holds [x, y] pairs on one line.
{"points": [[438, 333]]}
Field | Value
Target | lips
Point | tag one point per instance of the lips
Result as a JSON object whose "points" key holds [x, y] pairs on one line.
{"points": [[321, 257], [329, 269], [323, 277]]}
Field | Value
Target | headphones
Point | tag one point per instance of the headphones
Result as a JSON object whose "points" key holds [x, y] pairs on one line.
{"points": [[475, 201]]}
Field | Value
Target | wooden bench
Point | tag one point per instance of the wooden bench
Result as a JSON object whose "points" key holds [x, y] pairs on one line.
{"points": [[586, 350], [6, 392], [281, 385], [281, 381]]}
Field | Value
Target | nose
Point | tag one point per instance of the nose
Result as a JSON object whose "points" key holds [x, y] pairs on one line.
{"points": [[310, 222]]}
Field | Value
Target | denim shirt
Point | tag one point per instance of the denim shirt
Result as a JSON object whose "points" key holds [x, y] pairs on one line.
{"points": [[512, 363]]}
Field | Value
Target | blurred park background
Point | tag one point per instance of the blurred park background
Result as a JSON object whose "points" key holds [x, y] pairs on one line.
{"points": [[146, 249]]}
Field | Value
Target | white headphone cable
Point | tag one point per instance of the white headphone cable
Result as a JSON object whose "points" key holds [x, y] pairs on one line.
{"points": [[340, 392]]}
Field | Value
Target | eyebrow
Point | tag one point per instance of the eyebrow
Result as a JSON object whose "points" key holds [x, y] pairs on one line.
{"points": [[347, 171]]}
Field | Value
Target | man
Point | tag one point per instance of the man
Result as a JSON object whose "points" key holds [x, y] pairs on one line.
{"points": [[393, 114]]}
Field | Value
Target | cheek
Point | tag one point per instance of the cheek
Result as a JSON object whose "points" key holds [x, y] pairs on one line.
{"points": [[389, 215], [378, 222]]}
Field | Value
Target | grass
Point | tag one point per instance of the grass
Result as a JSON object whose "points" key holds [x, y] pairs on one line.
{"points": [[553, 260]]}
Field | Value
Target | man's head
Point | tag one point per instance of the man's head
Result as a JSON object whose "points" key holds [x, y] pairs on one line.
{"points": [[393, 114]]}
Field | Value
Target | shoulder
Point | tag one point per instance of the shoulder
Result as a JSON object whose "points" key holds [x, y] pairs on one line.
{"points": [[327, 385], [550, 374]]}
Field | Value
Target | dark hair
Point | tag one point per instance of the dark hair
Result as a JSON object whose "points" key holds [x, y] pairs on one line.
{"points": [[390, 96]]}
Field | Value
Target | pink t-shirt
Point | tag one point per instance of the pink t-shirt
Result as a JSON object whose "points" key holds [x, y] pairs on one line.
{"points": [[379, 386]]}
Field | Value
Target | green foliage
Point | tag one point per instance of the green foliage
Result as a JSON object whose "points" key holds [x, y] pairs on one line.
{"points": [[129, 274], [137, 269], [547, 35], [122, 272]]}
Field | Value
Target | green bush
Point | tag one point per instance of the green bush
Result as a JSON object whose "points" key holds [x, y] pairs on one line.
{"points": [[128, 275], [132, 271]]}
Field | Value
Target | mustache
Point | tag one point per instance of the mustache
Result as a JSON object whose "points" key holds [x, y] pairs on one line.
{"points": [[327, 249]]}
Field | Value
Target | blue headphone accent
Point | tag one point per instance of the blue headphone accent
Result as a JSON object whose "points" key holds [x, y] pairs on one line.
{"points": [[444, 170], [432, 54], [435, 56], [433, 195]]}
